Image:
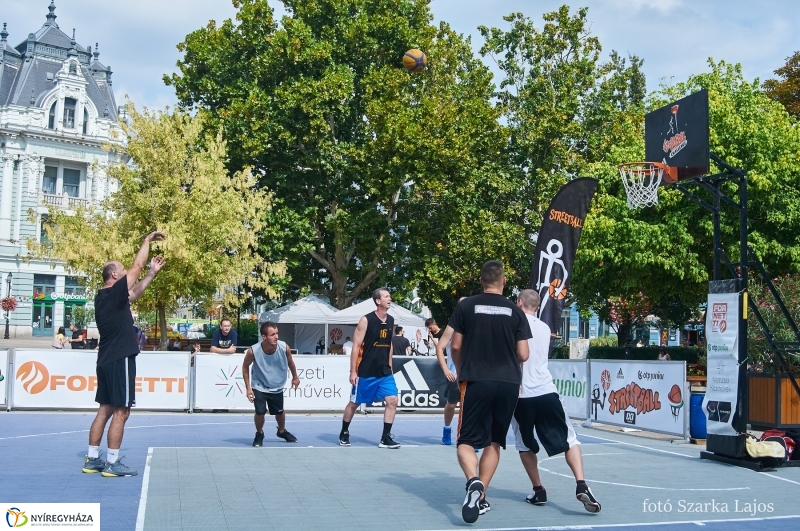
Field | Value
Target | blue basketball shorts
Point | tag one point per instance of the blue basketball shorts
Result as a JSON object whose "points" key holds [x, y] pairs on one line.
{"points": [[369, 390]]}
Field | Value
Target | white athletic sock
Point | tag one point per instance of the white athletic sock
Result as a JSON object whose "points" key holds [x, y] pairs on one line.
{"points": [[94, 452], [446, 426], [113, 455]]}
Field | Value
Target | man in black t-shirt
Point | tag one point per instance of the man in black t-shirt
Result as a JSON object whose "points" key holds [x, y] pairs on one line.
{"points": [[77, 341], [434, 334], [490, 340], [401, 346], [224, 340], [371, 372], [116, 357]]}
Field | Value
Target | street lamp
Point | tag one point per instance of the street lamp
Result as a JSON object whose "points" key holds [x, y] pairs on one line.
{"points": [[8, 294]]}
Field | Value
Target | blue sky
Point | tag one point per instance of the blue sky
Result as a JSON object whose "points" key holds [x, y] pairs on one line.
{"points": [[675, 37]]}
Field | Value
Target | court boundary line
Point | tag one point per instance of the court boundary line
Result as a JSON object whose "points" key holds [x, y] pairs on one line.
{"points": [[648, 524], [143, 494]]}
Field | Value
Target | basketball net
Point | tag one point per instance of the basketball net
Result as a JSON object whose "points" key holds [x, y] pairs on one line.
{"points": [[641, 181]]}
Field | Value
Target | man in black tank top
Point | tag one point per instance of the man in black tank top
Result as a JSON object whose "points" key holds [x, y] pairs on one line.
{"points": [[371, 372]]}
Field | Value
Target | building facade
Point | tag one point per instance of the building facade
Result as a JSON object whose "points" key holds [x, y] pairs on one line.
{"points": [[57, 112]]}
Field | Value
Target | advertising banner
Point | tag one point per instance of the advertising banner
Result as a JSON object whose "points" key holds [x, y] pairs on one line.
{"points": [[3, 379], [56, 379], [570, 379], [420, 382], [722, 335], [324, 383], [639, 394]]}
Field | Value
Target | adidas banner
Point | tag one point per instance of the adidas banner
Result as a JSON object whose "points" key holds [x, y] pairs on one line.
{"points": [[420, 382], [556, 247]]}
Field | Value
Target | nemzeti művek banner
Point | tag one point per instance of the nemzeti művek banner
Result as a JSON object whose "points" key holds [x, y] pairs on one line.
{"points": [[722, 337], [62, 379], [641, 394], [556, 247], [3, 379], [324, 383], [569, 376]]}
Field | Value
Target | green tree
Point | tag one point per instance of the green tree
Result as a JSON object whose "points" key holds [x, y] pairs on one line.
{"points": [[175, 181], [362, 156], [786, 90]]}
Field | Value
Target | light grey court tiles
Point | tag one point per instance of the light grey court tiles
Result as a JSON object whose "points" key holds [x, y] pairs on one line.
{"points": [[422, 488]]}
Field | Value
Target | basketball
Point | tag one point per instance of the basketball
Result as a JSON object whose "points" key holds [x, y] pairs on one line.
{"points": [[553, 290], [414, 60], [675, 395]]}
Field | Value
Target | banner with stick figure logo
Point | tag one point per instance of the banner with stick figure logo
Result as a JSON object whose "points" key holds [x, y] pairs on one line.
{"points": [[557, 245]]}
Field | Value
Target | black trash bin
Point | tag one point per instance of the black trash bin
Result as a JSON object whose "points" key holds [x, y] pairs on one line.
{"points": [[91, 343]]}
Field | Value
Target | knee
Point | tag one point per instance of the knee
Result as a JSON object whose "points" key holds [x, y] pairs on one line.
{"points": [[391, 401]]}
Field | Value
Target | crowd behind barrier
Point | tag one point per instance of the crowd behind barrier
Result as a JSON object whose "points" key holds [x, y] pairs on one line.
{"points": [[648, 395]]}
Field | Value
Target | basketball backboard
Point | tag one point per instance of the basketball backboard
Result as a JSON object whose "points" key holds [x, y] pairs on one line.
{"points": [[677, 135]]}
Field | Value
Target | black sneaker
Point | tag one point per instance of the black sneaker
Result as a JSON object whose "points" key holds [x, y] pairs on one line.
{"points": [[483, 506], [388, 442], [537, 498], [470, 510], [344, 438], [258, 440], [286, 436], [585, 496]]}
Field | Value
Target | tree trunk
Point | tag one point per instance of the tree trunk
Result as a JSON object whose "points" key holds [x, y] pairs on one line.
{"points": [[624, 333], [162, 325]]}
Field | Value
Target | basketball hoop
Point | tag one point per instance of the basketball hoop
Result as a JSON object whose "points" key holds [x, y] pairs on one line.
{"points": [[642, 179]]}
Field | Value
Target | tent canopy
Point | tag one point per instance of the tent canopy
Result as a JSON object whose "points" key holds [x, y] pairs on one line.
{"points": [[352, 314], [308, 310]]}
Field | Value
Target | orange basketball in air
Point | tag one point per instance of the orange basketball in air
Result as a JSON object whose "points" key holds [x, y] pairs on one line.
{"points": [[414, 60], [553, 290]]}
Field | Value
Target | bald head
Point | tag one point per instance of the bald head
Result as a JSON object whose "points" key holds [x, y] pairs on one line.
{"points": [[112, 271]]}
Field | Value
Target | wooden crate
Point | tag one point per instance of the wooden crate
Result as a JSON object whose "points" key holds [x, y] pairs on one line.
{"points": [[773, 401]]}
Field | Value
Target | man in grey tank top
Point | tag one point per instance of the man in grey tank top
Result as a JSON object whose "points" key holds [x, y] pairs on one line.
{"points": [[270, 361]]}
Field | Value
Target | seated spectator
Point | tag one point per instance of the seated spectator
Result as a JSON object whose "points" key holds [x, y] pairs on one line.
{"points": [[174, 344]]}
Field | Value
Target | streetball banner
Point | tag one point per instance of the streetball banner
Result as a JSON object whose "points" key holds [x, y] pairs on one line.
{"points": [[58, 379], [324, 383], [3, 379], [639, 394], [722, 342], [569, 376]]}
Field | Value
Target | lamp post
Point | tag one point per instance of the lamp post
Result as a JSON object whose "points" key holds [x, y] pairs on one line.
{"points": [[8, 294]]}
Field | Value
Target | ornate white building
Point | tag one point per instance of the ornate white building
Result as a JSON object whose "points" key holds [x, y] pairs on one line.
{"points": [[57, 111]]}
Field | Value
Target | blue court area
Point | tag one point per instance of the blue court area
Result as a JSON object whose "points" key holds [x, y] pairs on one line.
{"points": [[199, 472]]}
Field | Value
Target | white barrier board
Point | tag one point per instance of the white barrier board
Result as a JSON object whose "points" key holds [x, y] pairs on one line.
{"points": [[569, 376], [324, 383], [3, 377], [639, 394], [67, 379]]}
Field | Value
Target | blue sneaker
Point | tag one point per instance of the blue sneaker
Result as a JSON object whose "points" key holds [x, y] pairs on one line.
{"points": [[447, 438], [113, 470], [93, 465]]}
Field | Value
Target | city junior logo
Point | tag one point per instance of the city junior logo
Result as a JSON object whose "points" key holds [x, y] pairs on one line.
{"points": [[34, 376], [16, 517]]}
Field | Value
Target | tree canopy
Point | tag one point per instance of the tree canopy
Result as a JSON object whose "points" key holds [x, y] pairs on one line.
{"points": [[786, 90], [175, 182]]}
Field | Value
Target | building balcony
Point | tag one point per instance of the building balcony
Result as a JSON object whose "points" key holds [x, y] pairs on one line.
{"points": [[63, 201]]}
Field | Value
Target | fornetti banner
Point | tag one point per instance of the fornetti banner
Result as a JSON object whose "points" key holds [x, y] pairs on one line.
{"points": [[722, 338]]}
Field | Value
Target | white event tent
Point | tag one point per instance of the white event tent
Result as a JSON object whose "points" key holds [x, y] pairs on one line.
{"points": [[302, 323]]}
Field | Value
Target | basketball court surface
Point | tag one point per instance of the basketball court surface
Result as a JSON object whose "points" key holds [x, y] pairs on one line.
{"points": [[199, 472]]}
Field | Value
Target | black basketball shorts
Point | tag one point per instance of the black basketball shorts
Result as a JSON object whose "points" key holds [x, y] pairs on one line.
{"points": [[116, 383], [546, 415], [452, 392], [273, 401], [486, 412]]}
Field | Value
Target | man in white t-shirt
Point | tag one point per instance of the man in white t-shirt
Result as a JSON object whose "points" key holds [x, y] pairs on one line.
{"points": [[348, 346], [539, 407]]}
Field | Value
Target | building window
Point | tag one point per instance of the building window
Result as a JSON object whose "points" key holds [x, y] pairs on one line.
{"points": [[69, 113], [85, 121], [51, 121], [42, 233], [72, 182], [49, 181], [72, 286]]}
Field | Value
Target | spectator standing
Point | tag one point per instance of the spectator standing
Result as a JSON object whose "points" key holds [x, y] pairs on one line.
{"points": [[77, 341], [401, 346], [141, 337], [347, 348], [663, 355], [224, 339], [60, 339]]}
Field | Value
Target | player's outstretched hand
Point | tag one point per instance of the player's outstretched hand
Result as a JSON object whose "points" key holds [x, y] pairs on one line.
{"points": [[155, 236], [156, 264]]}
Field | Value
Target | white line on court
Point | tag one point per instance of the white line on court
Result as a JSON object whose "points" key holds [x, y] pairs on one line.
{"points": [[143, 495], [627, 484], [641, 446], [643, 524], [782, 479]]}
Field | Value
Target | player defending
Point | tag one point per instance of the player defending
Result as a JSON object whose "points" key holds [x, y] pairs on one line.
{"points": [[452, 392], [490, 340], [539, 407], [371, 368], [116, 356], [270, 360]]}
